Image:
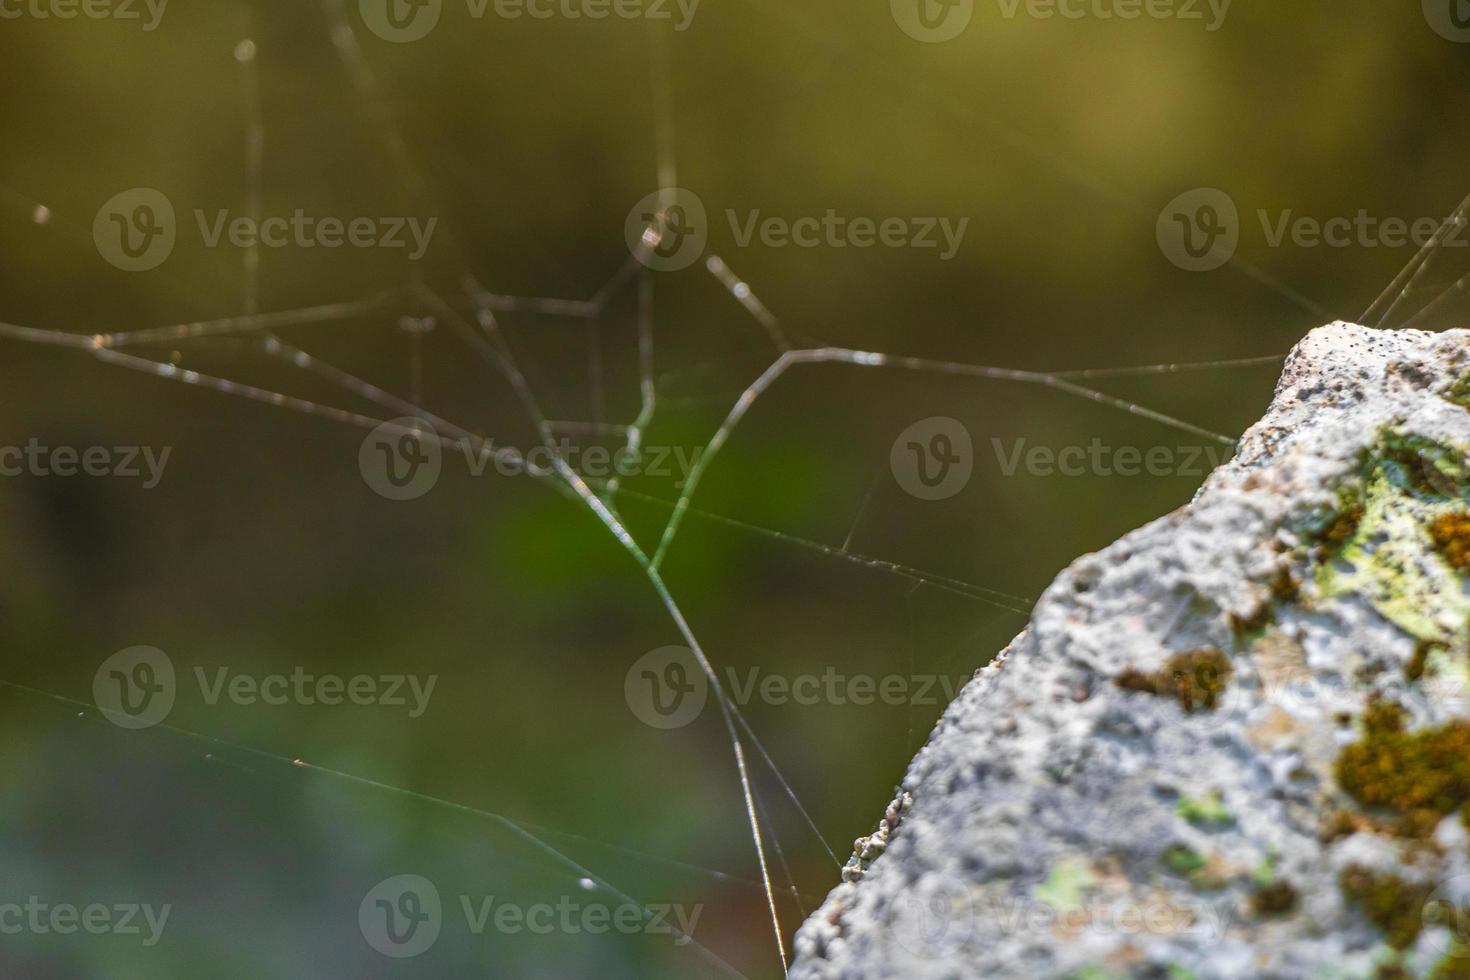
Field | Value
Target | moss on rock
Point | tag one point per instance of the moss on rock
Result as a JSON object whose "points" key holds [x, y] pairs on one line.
{"points": [[1419, 777], [1451, 533], [1390, 903], [1195, 679]]}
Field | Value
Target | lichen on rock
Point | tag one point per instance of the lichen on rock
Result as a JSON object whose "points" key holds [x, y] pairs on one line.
{"points": [[1235, 744]]}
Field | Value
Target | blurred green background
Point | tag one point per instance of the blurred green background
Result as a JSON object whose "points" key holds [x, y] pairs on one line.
{"points": [[264, 549]]}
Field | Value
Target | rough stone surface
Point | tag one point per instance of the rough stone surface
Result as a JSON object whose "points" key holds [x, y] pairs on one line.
{"points": [[1234, 744]]}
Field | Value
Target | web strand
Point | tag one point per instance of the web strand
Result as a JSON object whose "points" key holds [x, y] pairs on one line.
{"points": [[521, 830], [473, 321], [1406, 281]]}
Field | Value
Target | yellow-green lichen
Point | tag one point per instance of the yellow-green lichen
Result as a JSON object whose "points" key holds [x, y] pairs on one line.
{"points": [[1205, 811], [1459, 392], [1382, 546], [1065, 888], [1183, 860], [1093, 973], [1195, 679]]}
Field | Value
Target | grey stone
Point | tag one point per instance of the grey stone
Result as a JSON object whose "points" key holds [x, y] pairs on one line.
{"points": [[1061, 821]]}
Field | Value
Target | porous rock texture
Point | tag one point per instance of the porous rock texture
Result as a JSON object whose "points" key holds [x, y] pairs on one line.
{"points": [[1234, 744]]}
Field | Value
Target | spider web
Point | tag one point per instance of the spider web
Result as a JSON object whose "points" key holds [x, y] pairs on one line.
{"points": [[471, 315]]}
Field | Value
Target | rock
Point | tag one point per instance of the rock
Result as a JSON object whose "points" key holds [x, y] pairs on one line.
{"points": [[1234, 744]]}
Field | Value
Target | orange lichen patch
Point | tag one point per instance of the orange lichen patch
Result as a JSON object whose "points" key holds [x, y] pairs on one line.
{"points": [[1420, 778], [1195, 679], [1344, 526], [1452, 537]]}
